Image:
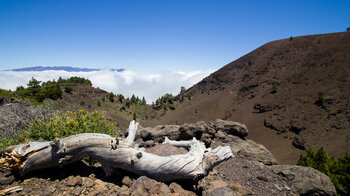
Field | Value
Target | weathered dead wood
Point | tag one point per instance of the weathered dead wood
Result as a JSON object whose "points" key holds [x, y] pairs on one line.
{"points": [[116, 153]]}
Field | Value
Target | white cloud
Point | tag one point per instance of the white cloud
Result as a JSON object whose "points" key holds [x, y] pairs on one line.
{"points": [[129, 82]]}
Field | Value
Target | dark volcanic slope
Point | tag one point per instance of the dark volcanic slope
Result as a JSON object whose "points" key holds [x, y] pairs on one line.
{"points": [[301, 66]]}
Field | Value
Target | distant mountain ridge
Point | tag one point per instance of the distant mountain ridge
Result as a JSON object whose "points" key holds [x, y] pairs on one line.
{"points": [[60, 68]]}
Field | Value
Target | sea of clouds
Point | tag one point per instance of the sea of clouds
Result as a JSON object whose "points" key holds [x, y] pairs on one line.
{"points": [[128, 82]]}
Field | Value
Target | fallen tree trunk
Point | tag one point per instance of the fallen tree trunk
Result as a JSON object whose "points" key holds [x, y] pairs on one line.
{"points": [[116, 153]]}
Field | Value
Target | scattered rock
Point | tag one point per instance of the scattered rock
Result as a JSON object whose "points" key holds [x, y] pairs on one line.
{"points": [[88, 182], [212, 185], [148, 143], [299, 142], [166, 150], [127, 181], [146, 135], [222, 191], [124, 191], [74, 181], [263, 178], [239, 189], [146, 185], [277, 122], [6, 177], [262, 108], [77, 190], [296, 126], [176, 188]]}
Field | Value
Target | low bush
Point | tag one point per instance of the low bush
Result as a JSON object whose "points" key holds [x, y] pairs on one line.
{"points": [[320, 97], [68, 89], [111, 97], [274, 88], [63, 125]]}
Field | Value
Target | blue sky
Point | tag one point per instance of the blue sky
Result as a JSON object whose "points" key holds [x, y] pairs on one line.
{"points": [[154, 35]]}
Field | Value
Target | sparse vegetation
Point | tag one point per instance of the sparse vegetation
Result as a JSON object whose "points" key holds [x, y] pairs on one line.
{"points": [[111, 97], [337, 170], [290, 38], [98, 103], [120, 98], [127, 104], [69, 123], [348, 29], [74, 79], [38, 91], [68, 89], [320, 97], [183, 89], [165, 98], [274, 88], [137, 101]]}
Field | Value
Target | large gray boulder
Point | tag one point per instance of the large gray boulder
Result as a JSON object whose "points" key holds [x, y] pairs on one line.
{"points": [[230, 127], [306, 180]]}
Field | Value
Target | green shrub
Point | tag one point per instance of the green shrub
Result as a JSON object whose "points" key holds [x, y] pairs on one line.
{"points": [[74, 79], [143, 101], [274, 88], [127, 104], [182, 89], [59, 126], [165, 98], [290, 38], [98, 103], [337, 170], [35, 92], [111, 97], [321, 97], [120, 98]]}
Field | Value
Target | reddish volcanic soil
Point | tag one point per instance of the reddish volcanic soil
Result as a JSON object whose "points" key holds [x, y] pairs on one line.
{"points": [[287, 118]]}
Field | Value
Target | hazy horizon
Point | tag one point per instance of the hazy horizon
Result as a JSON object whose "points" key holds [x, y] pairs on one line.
{"points": [[160, 42], [127, 83]]}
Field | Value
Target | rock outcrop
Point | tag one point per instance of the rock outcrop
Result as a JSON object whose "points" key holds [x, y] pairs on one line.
{"points": [[253, 170]]}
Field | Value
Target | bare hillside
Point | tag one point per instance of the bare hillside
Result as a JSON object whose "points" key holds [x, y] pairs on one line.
{"points": [[292, 94]]}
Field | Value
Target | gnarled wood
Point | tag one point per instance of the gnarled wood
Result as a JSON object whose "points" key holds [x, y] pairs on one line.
{"points": [[116, 153]]}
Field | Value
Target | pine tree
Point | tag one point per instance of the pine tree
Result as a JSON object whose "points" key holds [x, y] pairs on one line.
{"points": [[143, 102]]}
